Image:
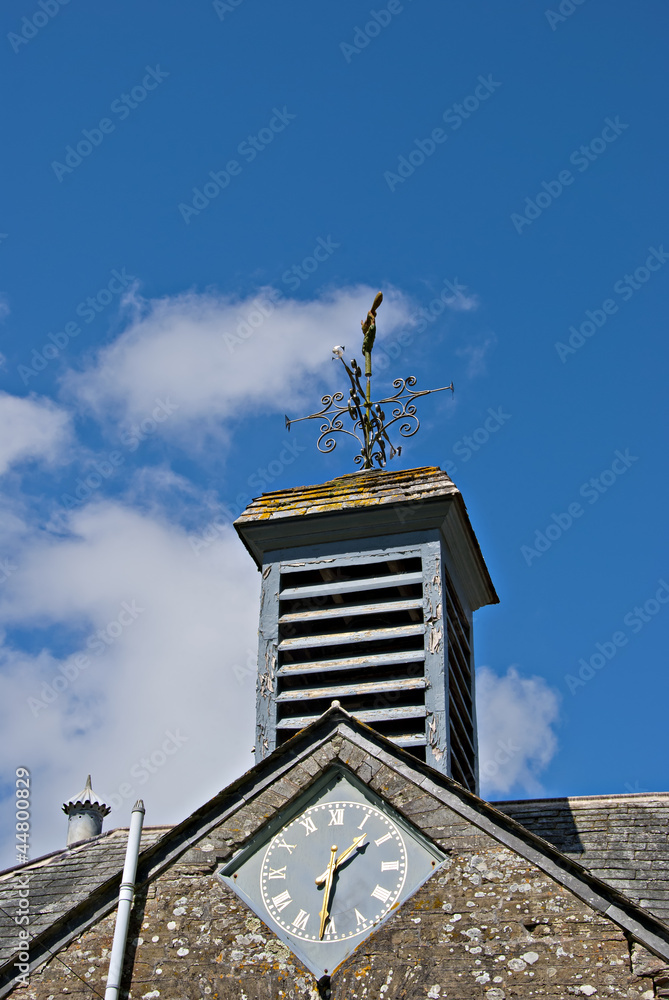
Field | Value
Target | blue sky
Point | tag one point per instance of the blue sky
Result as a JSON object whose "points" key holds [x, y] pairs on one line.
{"points": [[172, 170]]}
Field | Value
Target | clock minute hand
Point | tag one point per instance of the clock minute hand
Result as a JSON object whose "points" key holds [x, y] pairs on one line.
{"points": [[329, 875], [342, 857]]}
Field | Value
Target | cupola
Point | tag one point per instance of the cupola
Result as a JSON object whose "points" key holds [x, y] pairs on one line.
{"points": [[369, 585], [85, 812]]}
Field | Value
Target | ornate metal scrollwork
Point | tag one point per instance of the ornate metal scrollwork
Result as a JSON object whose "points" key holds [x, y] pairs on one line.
{"points": [[370, 428]]}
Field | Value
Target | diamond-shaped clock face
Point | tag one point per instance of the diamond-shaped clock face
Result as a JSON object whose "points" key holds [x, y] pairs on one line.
{"points": [[326, 873]]}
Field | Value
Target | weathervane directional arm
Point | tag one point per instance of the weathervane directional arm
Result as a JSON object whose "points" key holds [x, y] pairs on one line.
{"points": [[367, 416], [332, 402], [410, 393]]}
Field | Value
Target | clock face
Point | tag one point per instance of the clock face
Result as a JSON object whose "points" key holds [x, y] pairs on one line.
{"points": [[327, 872], [365, 884]]}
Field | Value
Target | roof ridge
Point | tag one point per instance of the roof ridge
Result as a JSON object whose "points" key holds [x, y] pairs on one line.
{"points": [[348, 476], [40, 861], [583, 798], [53, 854]]}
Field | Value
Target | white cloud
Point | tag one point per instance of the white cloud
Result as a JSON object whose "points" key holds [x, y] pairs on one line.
{"points": [[460, 302], [169, 636], [215, 357], [515, 723], [455, 296], [476, 354], [31, 429]]}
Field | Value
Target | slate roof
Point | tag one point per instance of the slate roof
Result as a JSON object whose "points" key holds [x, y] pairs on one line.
{"points": [[60, 881], [76, 887], [367, 489], [622, 839]]}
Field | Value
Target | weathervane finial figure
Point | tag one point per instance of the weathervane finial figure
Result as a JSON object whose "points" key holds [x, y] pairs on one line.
{"points": [[368, 417], [369, 333]]}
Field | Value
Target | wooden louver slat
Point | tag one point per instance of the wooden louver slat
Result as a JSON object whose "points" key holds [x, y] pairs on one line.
{"points": [[350, 586]]}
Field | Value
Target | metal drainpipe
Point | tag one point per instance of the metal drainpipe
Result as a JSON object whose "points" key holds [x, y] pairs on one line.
{"points": [[125, 898]]}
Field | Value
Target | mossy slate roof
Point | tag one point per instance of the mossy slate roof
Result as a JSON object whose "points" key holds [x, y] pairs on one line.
{"points": [[367, 489]]}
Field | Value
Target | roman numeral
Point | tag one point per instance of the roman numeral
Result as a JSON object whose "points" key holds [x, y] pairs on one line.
{"points": [[282, 900], [382, 840], [359, 919], [386, 866], [367, 815], [300, 921], [331, 929], [277, 872], [381, 894], [336, 817], [289, 847], [308, 825]]}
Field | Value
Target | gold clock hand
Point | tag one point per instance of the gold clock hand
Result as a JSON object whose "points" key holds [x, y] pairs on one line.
{"points": [[342, 857], [329, 875]]}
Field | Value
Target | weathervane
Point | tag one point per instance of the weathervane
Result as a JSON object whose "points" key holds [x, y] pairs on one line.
{"points": [[369, 421]]}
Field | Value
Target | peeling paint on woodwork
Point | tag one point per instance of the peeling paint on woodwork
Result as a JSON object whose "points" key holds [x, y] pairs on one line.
{"points": [[433, 739], [266, 679], [435, 637], [262, 742]]}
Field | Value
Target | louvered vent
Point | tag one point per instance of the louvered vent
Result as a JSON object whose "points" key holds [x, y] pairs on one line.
{"points": [[354, 632], [461, 710]]}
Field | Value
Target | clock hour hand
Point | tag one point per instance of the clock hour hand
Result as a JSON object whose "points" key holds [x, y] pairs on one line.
{"points": [[342, 857], [329, 875]]}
